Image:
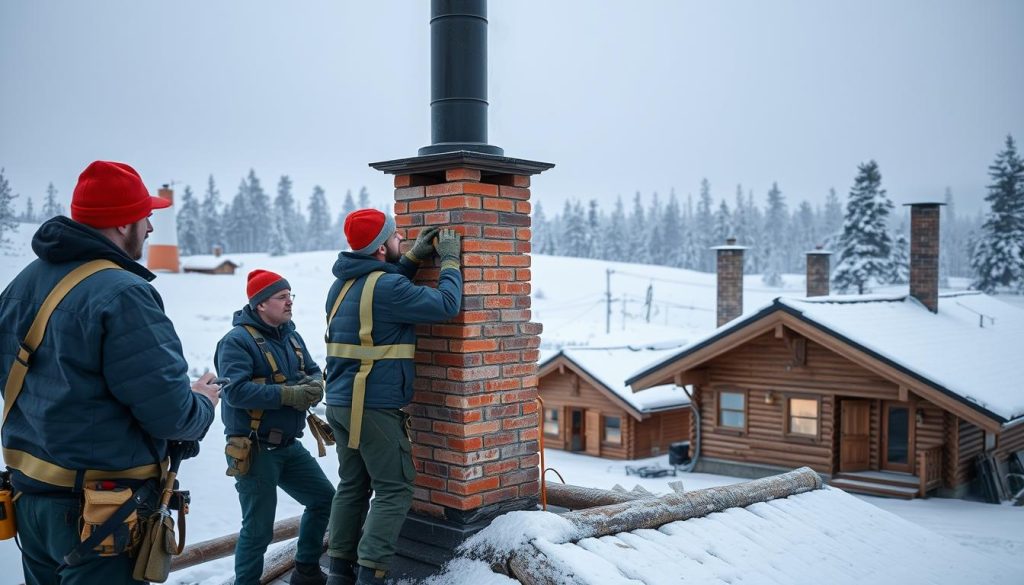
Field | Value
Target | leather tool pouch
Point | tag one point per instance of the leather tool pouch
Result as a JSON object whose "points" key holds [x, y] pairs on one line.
{"points": [[239, 454], [99, 505], [8, 527]]}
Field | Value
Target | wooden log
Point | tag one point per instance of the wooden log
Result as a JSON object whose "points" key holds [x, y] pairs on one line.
{"points": [[278, 563], [576, 497], [224, 546]]}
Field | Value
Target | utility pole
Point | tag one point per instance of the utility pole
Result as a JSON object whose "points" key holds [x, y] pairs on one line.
{"points": [[623, 312], [608, 296], [650, 298]]}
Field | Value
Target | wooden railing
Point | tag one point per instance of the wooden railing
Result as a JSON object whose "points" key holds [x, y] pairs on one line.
{"points": [[929, 470]]}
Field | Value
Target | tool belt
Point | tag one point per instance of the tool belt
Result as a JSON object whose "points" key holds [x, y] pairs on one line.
{"points": [[8, 526]]}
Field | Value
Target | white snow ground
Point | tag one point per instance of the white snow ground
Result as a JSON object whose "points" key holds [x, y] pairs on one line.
{"points": [[569, 298]]}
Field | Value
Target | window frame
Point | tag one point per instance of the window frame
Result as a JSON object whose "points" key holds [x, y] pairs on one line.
{"points": [[718, 410], [604, 430], [786, 431], [557, 410]]}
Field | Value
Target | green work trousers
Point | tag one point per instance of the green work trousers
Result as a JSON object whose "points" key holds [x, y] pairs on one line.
{"points": [[295, 471], [382, 466], [48, 529]]}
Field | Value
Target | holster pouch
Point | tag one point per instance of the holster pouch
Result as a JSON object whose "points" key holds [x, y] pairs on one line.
{"points": [[158, 546], [8, 526], [239, 453], [99, 505]]}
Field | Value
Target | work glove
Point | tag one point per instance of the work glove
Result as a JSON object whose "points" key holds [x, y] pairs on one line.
{"points": [[301, 396], [449, 248], [424, 246], [189, 449]]}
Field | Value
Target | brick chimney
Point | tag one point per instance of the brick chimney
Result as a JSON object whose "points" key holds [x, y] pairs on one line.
{"points": [[924, 253], [162, 246], [818, 272], [474, 412], [730, 281]]}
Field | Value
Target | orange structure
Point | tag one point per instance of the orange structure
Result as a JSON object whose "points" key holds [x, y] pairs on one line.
{"points": [[163, 242]]}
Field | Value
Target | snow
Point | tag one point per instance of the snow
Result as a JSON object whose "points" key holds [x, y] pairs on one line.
{"points": [[683, 308], [205, 261], [611, 367]]}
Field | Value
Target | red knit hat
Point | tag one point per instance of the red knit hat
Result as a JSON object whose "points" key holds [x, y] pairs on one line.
{"points": [[110, 194], [262, 285], [367, 229]]}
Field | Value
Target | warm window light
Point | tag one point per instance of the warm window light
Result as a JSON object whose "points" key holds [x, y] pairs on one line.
{"points": [[920, 416], [769, 397]]}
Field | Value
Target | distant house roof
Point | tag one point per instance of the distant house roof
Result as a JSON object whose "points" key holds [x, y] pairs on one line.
{"points": [[206, 262], [970, 350], [607, 368], [775, 531]]}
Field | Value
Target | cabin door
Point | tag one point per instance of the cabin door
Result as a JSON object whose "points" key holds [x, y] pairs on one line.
{"points": [[855, 435], [576, 430], [897, 437], [594, 433]]}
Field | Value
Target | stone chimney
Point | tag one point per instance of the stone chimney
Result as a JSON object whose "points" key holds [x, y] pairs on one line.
{"points": [[924, 253], [475, 411], [818, 271], [730, 281]]}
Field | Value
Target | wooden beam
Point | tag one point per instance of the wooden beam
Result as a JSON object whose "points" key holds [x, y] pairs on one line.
{"points": [[698, 377], [904, 393], [780, 331]]}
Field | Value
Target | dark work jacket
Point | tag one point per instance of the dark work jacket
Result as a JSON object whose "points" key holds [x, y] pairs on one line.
{"points": [[398, 305], [108, 385], [239, 358]]}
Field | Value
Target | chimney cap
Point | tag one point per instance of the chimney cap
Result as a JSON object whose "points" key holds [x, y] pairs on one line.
{"points": [[923, 203], [819, 252]]}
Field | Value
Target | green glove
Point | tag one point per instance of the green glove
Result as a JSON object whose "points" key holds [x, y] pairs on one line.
{"points": [[424, 246], [301, 396], [449, 248]]}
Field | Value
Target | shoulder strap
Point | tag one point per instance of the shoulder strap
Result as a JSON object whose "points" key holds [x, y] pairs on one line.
{"points": [[34, 337], [276, 375], [297, 348], [337, 304]]}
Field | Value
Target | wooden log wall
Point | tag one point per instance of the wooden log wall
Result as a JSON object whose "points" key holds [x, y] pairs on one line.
{"points": [[559, 390]]}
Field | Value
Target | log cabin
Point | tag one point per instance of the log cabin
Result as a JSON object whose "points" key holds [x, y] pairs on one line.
{"points": [[588, 407], [889, 395]]}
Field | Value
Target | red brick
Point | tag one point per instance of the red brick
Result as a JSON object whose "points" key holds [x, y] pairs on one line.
{"points": [[499, 439], [499, 302], [460, 388], [515, 288], [409, 219], [500, 204], [472, 274], [480, 373], [421, 452], [523, 302], [529, 434], [531, 328], [432, 343], [524, 274], [458, 331], [461, 174], [458, 359], [462, 216], [523, 207], [529, 489], [465, 444], [464, 473], [499, 330], [430, 439], [430, 482], [513, 192], [524, 234], [521, 342], [519, 370], [480, 288], [472, 345], [466, 416], [406, 193], [499, 467], [457, 502], [515, 315], [401, 207], [524, 247], [498, 496], [519, 396], [427, 397], [479, 260], [471, 401], [529, 407], [427, 509], [477, 317], [521, 422], [434, 468], [498, 274], [403, 181], [488, 246], [499, 232], [465, 488], [531, 381], [501, 357], [493, 412], [502, 384], [466, 458], [529, 461], [514, 260], [459, 202], [437, 218], [521, 476], [430, 371], [421, 205]]}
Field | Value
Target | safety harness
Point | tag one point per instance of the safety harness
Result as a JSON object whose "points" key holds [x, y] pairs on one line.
{"points": [[317, 427], [366, 352], [26, 463]]}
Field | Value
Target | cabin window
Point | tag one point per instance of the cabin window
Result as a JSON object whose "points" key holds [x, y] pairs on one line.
{"points": [[732, 410], [802, 417], [551, 421], [613, 430]]}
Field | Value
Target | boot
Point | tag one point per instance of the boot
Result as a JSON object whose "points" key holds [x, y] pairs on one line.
{"points": [[368, 576], [308, 574], [342, 572]]}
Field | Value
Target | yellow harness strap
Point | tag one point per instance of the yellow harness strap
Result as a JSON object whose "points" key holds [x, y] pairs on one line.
{"points": [[32, 466], [366, 352], [256, 415]]}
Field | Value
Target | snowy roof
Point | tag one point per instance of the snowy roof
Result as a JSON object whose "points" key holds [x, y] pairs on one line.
{"points": [[205, 262], [611, 366], [976, 329], [818, 536]]}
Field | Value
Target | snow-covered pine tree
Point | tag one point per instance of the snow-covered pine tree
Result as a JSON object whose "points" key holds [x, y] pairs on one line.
{"points": [[277, 243], [190, 240], [348, 205], [29, 216], [284, 209], [616, 244], [997, 257], [755, 227], [364, 198], [8, 220], [900, 260], [723, 224], [638, 228], [671, 233], [595, 244], [703, 226], [805, 232], [773, 245], [574, 232], [51, 207], [832, 230], [260, 213], [238, 223], [211, 218], [865, 247], [319, 229]]}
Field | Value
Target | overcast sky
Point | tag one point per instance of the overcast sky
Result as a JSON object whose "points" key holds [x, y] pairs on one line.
{"points": [[622, 96]]}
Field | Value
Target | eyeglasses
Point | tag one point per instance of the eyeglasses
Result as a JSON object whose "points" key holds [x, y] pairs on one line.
{"points": [[284, 297]]}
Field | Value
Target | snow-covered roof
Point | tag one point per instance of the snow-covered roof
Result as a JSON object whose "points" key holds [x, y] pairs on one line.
{"points": [[205, 262], [982, 333], [611, 366]]}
